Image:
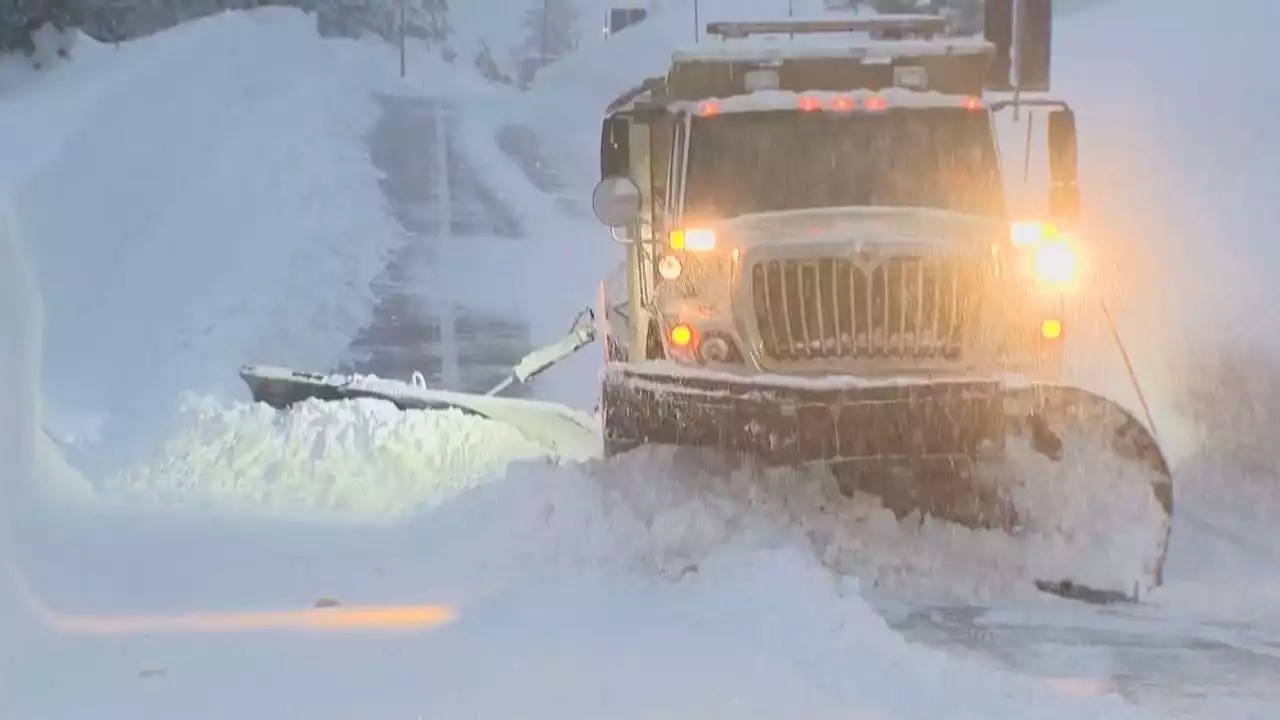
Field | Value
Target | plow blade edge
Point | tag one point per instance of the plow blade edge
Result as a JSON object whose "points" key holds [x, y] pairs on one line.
{"points": [[1106, 448], [564, 432]]}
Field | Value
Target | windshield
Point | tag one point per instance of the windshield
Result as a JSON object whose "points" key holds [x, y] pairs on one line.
{"points": [[768, 161]]}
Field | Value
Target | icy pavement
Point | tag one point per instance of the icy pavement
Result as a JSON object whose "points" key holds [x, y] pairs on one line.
{"points": [[1185, 668], [1206, 645], [447, 212]]}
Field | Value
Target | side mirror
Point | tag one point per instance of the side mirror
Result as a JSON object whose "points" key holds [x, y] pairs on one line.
{"points": [[1064, 193], [616, 201]]}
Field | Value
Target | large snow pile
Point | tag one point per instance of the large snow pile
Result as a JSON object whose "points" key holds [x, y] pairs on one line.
{"points": [[191, 202], [360, 460], [711, 505]]}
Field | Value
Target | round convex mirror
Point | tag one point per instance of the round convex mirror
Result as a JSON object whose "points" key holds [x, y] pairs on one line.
{"points": [[616, 201]]}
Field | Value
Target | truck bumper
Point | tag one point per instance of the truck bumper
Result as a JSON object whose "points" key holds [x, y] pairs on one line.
{"points": [[787, 421]]}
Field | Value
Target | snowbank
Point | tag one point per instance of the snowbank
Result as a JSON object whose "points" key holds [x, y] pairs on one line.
{"points": [[194, 201]]}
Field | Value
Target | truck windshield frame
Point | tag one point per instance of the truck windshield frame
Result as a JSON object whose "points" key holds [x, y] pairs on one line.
{"points": [[768, 161]]}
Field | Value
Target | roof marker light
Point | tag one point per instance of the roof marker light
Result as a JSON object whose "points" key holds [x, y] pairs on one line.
{"points": [[809, 104], [843, 104], [972, 103], [708, 108], [877, 103]]}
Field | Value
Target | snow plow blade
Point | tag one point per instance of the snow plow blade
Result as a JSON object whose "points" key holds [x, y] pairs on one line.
{"points": [[564, 432], [967, 451]]}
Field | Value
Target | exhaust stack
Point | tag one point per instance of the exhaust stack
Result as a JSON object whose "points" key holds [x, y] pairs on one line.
{"points": [[1022, 32]]}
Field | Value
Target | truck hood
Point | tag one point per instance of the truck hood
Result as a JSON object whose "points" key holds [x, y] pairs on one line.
{"points": [[862, 228]]}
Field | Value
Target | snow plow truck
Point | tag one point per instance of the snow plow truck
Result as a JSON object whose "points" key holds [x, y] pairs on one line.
{"points": [[822, 268]]}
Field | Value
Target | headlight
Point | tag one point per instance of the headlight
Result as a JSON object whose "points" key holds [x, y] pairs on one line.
{"points": [[1026, 233], [1056, 263]]}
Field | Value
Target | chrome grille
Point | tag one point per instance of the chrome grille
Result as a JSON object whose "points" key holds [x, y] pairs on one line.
{"points": [[904, 307]]}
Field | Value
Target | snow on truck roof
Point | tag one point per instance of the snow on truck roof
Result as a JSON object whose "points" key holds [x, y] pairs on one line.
{"points": [[869, 55], [767, 48], [884, 37]]}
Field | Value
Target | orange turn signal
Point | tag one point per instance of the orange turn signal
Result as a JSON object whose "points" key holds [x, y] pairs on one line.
{"points": [[681, 335], [1051, 329]]}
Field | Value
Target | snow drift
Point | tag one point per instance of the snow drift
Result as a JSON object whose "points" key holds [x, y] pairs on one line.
{"points": [[186, 216], [354, 460]]}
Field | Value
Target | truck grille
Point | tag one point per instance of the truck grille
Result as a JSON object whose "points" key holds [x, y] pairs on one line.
{"points": [[904, 307]]}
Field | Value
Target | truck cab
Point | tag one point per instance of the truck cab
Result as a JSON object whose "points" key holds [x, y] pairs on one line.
{"points": [[810, 198]]}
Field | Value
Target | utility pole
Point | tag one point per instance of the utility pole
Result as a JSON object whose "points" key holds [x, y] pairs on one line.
{"points": [[403, 12], [697, 27], [546, 31]]}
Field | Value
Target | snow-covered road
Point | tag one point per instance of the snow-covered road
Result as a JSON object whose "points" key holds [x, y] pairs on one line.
{"points": [[1185, 665], [422, 321]]}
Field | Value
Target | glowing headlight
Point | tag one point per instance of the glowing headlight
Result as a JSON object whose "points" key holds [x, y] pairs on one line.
{"points": [[1056, 262], [1026, 233], [693, 240]]}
